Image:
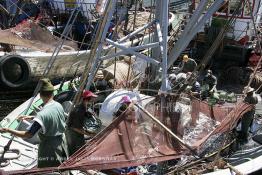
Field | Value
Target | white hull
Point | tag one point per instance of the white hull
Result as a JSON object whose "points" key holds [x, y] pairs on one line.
{"points": [[66, 64]]}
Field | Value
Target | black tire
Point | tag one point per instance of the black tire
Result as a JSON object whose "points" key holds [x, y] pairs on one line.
{"points": [[15, 71]]}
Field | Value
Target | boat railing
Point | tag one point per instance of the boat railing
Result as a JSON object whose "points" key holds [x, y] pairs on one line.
{"points": [[87, 8], [240, 29]]}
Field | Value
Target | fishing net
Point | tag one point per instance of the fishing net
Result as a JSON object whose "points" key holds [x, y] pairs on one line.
{"points": [[132, 141], [29, 34]]}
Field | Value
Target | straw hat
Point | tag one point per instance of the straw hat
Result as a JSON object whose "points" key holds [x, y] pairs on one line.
{"points": [[99, 74], [209, 71], [172, 77], [248, 89]]}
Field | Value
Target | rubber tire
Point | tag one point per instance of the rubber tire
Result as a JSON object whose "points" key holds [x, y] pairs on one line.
{"points": [[65, 96], [25, 70]]}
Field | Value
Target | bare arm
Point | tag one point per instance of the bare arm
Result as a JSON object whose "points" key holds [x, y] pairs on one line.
{"points": [[23, 134], [82, 131], [25, 117]]}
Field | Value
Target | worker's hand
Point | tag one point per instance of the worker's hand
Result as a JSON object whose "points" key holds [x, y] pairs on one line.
{"points": [[3, 130], [25, 117]]}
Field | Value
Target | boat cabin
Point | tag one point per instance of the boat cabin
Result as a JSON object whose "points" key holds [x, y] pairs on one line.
{"points": [[240, 39], [243, 25]]}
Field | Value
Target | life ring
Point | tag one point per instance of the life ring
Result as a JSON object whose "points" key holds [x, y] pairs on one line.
{"points": [[14, 71]]}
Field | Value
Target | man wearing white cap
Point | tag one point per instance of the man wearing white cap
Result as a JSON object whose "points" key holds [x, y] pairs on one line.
{"points": [[101, 86], [248, 116]]}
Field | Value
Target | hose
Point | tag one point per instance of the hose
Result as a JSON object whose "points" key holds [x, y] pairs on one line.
{"points": [[5, 161]]}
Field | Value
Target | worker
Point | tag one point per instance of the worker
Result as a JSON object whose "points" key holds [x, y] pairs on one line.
{"points": [[100, 86], [50, 122], [194, 89], [179, 81], [209, 84], [188, 64], [247, 118], [171, 81], [27, 10], [75, 130], [126, 106]]}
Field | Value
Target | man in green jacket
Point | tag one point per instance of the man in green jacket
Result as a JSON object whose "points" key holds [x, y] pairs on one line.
{"points": [[188, 64], [50, 122]]}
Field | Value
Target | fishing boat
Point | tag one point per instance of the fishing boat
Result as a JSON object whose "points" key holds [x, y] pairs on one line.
{"points": [[160, 133], [237, 51], [34, 46], [23, 152]]}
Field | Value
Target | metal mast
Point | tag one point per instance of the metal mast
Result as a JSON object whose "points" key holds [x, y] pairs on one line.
{"points": [[159, 43], [160, 26]]}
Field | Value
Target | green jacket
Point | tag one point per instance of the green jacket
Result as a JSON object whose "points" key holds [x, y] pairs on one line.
{"points": [[189, 66], [52, 150]]}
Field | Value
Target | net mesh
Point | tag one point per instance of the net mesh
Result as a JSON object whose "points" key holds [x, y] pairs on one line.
{"points": [[131, 141]]}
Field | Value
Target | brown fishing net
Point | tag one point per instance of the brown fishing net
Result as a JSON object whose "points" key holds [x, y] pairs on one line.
{"points": [[31, 35], [135, 141]]}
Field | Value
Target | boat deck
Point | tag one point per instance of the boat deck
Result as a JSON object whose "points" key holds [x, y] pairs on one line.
{"points": [[28, 157]]}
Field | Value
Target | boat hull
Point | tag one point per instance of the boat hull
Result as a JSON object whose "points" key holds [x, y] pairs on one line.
{"points": [[65, 65]]}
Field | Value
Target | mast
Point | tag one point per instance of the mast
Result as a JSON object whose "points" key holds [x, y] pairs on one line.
{"points": [[160, 42], [162, 32]]}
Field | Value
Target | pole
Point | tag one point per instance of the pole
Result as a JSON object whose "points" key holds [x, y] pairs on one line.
{"points": [[168, 130]]}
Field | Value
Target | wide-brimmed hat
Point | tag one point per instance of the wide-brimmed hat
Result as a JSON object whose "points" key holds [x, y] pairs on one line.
{"points": [[248, 89], [46, 85], [125, 99], [99, 74], [87, 94], [209, 71]]}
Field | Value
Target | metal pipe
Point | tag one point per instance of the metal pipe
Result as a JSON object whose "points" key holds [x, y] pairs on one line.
{"points": [[133, 52], [146, 46], [167, 129], [100, 46], [195, 17], [135, 32]]}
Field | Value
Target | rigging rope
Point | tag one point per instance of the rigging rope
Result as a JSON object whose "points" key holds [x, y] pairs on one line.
{"points": [[45, 73], [129, 67], [77, 54], [92, 55], [208, 56], [259, 45]]}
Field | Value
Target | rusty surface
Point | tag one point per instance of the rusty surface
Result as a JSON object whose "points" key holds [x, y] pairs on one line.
{"points": [[228, 115], [129, 144], [123, 144]]}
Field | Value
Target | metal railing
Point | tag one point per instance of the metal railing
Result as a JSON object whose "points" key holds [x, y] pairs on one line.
{"points": [[87, 8]]}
